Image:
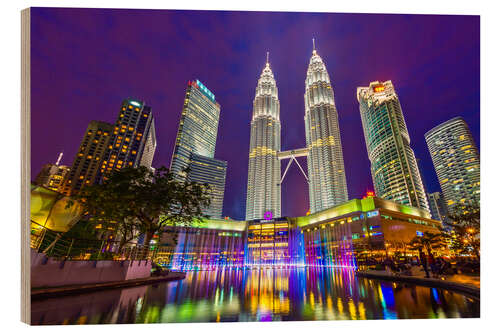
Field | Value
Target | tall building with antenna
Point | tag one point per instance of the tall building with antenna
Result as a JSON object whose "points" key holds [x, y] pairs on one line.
{"points": [[325, 163], [264, 170], [52, 176]]}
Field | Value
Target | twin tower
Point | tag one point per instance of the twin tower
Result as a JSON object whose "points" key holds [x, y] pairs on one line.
{"points": [[325, 162]]}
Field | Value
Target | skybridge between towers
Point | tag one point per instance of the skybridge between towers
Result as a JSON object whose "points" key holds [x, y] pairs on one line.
{"points": [[292, 156]]}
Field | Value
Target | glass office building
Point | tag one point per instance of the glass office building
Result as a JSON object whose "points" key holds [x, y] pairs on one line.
{"points": [[195, 144], [210, 171], [394, 168]]}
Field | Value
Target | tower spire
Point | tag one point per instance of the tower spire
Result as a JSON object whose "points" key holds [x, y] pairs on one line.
{"points": [[314, 46], [59, 158], [267, 57]]}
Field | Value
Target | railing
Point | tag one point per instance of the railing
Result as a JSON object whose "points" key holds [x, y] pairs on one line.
{"points": [[56, 245]]}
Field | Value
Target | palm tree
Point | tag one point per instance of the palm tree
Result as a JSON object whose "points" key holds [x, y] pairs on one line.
{"points": [[429, 241]]}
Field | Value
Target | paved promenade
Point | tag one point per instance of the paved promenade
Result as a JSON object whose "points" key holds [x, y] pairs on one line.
{"points": [[468, 285], [41, 293]]}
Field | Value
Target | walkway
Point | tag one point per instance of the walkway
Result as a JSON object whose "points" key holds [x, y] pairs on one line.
{"points": [[463, 284], [43, 293]]}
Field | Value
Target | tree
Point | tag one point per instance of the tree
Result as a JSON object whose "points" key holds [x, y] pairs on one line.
{"points": [[465, 232], [138, 200], [429, 241]]}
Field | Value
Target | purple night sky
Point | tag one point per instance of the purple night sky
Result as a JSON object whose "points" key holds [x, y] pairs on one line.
{"points": [[84, 62]]}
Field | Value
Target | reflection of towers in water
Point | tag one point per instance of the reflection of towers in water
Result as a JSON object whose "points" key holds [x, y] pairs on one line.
{"points": [[263, 190], [325, 163]]}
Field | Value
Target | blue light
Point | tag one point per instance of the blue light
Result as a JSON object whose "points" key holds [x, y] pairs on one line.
{"points": [[420, 233], [205, 90]]}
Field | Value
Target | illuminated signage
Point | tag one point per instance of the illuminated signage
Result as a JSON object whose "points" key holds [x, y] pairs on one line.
{"points": [[378, 88], [205, 90], [268, 215], [372, 213], [420, 233]]}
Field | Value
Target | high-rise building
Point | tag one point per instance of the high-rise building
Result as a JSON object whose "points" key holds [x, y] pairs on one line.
{"points": [[437, 206], [88, 159], [210, 171], [325, 163], [52, 176], [195, 144], [133, 141], [394, 168], [264, 169], [456, 160]]}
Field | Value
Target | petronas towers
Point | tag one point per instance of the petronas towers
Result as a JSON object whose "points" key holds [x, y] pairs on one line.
{"points": [[325, 163], [263, 187]]}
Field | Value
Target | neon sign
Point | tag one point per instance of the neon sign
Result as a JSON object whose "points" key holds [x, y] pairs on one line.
{"points": [[268, 215]]}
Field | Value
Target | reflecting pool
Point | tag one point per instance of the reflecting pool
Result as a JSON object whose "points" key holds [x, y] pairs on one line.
{"points": [[256, 295]]}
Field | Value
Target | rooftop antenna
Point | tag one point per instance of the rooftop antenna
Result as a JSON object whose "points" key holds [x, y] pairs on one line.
{"points": [[314, 45], [59, 158], [267, 57]]}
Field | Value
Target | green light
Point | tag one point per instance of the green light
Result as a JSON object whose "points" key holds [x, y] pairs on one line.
{"points": [[213, 224]]}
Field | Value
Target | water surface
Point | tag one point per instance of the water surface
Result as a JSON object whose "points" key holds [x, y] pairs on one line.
{"points": [[257, 295]]}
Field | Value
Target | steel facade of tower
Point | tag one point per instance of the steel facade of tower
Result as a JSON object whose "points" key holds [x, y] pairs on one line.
{"points": [[195, 144], [456, 161], [325, 163], [264, 169], [394, 167]]}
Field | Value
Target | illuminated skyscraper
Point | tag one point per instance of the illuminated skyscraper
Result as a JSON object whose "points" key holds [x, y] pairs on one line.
{"points": [[264, 170], [195, 144], [456, 160], [88, 159], [394, 168], [213, 172], [133, 142], [325, 163]]}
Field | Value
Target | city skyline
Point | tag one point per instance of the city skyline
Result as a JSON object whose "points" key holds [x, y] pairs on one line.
{"points": [[235, 96]]}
